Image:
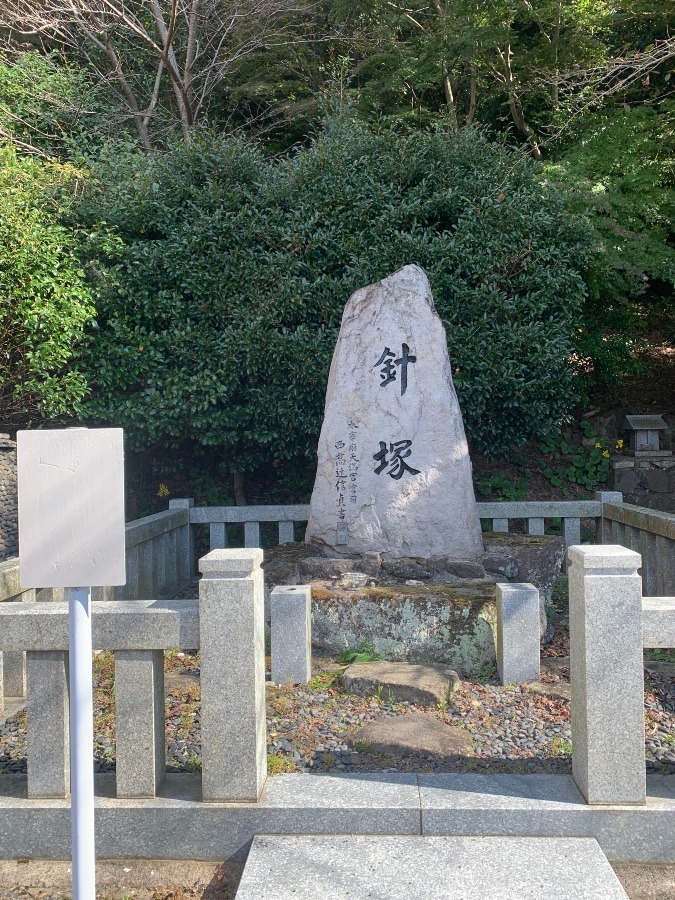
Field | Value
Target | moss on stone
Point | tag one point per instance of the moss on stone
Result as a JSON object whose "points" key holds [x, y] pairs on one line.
{"points": [[291, 552], [457, 595], [504, 539]]}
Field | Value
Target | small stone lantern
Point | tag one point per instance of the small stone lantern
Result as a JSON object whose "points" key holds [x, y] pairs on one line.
{"points": [[642, 433]]}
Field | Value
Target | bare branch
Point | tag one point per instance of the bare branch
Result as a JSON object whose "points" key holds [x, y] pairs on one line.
{"points": [[584, 88], [197, 43]]}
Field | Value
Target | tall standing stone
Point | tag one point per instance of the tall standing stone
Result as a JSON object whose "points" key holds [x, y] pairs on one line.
{"points": [[394, 474]]}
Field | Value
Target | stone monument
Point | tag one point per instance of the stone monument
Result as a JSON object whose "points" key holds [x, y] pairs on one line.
{"points": [[393, 551], [394, 474]]}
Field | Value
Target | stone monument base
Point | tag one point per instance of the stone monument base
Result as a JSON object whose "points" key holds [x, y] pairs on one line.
{"points": [[438, 623], [438, 609]]}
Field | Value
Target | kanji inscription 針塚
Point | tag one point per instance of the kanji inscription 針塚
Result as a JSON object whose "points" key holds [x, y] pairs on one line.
{"points": [[388, 366]]}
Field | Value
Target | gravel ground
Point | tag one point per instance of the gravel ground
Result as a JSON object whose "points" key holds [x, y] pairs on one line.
{"points": [[188, 880], [514, 729]]}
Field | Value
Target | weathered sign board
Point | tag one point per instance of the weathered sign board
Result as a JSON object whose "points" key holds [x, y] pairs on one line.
{"points": [[72, 535], [71, 507]]}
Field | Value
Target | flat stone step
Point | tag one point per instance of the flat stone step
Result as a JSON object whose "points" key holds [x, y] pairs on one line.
{"points": [[401, 681], [413, 733], [351, 867]]}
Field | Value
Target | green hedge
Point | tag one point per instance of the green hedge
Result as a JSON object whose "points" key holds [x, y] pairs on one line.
{"points": [[44, 299], [224, 277]]}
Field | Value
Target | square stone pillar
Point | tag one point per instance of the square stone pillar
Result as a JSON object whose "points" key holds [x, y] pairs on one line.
{"points": [[603, 528], [517, 633], [139, 718], [48, 750], [291, 634], [186, 540], [232, 648], [606, 666], [13, 663]]}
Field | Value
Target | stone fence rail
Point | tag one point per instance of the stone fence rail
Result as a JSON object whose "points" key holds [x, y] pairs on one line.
{"points": [[610, 624], [651, 534], [225, 624], [159, 557], [161, 549], [497, 516], [158, 551]]}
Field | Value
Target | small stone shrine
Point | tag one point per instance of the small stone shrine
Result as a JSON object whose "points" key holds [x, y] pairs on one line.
{"points": [[394, 474]]}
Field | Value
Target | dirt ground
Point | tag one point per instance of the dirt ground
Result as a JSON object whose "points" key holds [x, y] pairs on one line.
{"points": [[157, 879], [185, 880]]}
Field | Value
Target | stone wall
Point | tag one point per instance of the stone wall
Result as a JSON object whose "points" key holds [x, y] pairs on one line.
{"points": [[9, 537], [646, 482]]}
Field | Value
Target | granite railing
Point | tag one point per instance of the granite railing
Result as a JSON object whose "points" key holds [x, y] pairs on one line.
{"points": [[159, 557], [217, 821], [498, 517], [251, 517], [651, 534], [159, 564], [225, 624], [611, 622]]}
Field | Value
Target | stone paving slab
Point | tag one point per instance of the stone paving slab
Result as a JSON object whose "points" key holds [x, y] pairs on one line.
{"points": [[457, 868], [401, 681], [177, 825], [550, 805], [415, 732]]}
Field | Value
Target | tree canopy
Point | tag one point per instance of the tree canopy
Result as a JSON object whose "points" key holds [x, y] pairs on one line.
{"points": [[191, 191], [45, 301], [228, 284]]}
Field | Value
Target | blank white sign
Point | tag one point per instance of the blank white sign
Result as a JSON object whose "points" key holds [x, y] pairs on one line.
{"points": [[71, 507]]}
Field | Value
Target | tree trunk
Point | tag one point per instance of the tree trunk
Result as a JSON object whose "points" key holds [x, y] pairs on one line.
{"points": [[472, 96], [138, 117], [450, 100], [516, 107], [239, 489], [555, 40], [184, 109]]}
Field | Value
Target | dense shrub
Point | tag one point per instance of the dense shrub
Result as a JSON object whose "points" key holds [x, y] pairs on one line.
{"points": [[221, 303], [620, 170], [44, 299]]}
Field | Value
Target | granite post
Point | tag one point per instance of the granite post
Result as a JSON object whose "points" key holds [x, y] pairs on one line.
{"points": [[291, 609], [186, 540], [608, 732], [139, 718], [603, 528], [48, 729], [232, 644], [517, 633]]}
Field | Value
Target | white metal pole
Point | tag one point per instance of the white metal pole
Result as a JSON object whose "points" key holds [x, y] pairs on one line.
{"points": [[81, 745]]}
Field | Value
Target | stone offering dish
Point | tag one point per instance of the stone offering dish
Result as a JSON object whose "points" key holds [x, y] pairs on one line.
{"points": [[351, 581]]}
